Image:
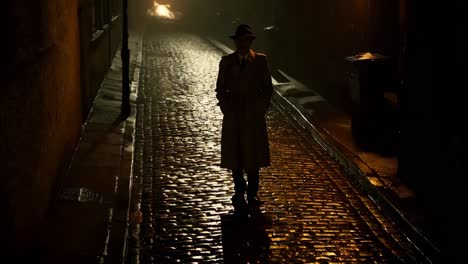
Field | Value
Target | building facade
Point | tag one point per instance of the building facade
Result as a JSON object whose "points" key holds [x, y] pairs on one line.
{"points": [[58, 55]]}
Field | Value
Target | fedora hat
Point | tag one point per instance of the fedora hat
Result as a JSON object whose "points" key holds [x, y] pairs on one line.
{"points": [[243, 31]]}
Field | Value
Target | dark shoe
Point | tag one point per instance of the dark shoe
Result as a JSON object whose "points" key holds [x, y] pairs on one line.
{"points": [[253, 200]]}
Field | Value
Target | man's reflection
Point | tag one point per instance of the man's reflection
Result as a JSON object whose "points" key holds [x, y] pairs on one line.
{"points": [[245, 239]]}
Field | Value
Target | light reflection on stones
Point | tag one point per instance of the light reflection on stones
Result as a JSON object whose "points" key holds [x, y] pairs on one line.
{"points": [[315, 215]]}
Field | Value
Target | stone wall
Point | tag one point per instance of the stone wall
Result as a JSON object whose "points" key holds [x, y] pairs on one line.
{"points": [[40, 109], [51, 72]]}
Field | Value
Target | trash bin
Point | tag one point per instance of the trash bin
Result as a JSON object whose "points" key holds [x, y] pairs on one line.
{"points": [[369, 76]]}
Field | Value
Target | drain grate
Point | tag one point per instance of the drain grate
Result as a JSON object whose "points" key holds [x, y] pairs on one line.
{"points": [[80, 194]]}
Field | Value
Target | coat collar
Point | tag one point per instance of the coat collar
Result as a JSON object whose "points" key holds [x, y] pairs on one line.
{"points": [[250, 55]]}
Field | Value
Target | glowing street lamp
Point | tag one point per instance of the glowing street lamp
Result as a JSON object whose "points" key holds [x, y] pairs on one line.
{"points": [[162, 11]]}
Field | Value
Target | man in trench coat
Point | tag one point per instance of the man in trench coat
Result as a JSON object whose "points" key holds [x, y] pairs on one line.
{"points": [[244, 90]]}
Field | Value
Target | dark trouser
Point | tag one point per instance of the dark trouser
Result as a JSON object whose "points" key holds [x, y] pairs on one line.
{"points": [[240, 184]]}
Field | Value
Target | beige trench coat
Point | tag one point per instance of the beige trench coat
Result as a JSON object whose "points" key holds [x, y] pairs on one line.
{"points": [[244, 98]]}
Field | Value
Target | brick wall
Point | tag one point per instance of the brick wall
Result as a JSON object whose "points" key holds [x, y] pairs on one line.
{"points": [[40, 109], [52, 70]]}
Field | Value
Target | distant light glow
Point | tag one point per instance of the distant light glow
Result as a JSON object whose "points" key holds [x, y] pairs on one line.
{"points": [[160, 10]]}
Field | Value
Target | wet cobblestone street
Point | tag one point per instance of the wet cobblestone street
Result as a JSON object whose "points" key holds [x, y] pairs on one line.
{"points": [[310, 213]]}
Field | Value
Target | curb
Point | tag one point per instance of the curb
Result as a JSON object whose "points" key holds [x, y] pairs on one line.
{"points": [[361, 172], [134, 192], [121, 208]]}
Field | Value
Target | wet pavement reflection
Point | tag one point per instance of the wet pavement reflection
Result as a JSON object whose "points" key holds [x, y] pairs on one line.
{"points": [[308, 211], [245, 239]]}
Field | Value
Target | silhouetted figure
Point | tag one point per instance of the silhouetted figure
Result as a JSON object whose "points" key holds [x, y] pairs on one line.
{"points": [[244, 90]]}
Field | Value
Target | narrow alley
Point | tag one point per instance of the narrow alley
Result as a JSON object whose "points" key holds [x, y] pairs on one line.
{"points": [[309, 211], [127, 128]]}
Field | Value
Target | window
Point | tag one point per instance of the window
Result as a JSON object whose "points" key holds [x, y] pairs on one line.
{"points": [[97, 15], [106, 16], [102, 12], [114, 8]]}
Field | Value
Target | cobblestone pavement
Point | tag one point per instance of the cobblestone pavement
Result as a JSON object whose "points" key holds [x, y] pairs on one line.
{"points": [[309, 213]]}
